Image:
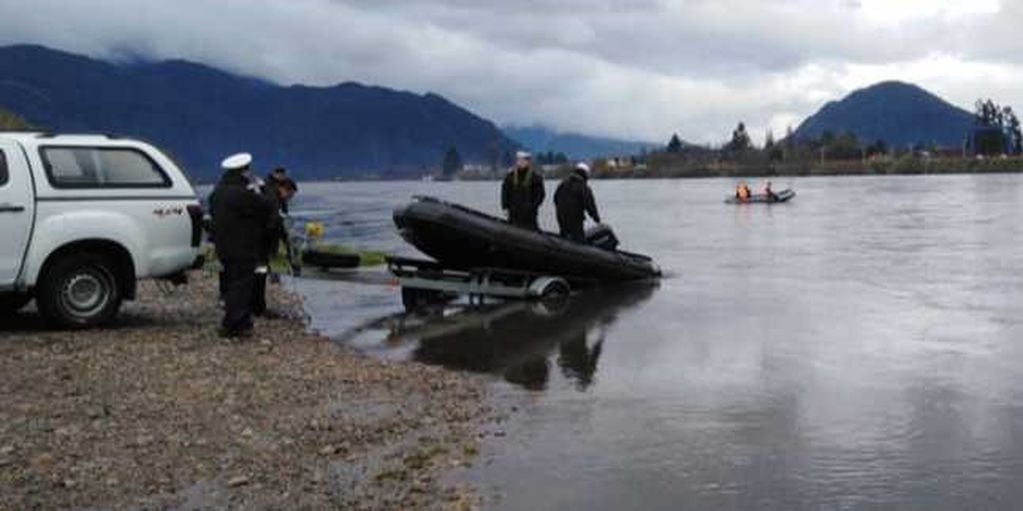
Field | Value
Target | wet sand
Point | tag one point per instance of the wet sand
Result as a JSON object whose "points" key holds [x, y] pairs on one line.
{"points": [[158, 412]]}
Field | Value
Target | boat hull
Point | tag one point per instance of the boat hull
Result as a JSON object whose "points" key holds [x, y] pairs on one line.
{"points": [[759, 198], [461, 238]]}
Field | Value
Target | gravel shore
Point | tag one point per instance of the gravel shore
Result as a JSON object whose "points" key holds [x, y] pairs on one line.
{"points": [[157, 412]]}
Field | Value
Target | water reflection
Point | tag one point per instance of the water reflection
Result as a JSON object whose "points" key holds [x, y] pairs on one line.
{"points": [[517, 340]]}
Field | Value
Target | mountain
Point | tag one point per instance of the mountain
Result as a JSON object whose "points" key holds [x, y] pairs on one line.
{"points": [[200, 114], [575, 146], [899, 113]]}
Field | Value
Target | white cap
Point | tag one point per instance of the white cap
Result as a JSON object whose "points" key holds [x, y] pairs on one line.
{"points": [[523, 155], [584, 169], [236, 161]]}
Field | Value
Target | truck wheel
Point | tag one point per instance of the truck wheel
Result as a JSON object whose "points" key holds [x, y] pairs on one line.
{"points": [[79, 292], [9, 304]]}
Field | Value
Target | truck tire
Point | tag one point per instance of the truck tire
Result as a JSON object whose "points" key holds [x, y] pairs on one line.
{"points": [[12, 303], [79, 292]]}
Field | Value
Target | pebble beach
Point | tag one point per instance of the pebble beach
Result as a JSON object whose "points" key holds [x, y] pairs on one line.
{"points": [[156, 411]]}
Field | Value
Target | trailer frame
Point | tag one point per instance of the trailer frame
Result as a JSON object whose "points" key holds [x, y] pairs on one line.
{"points": [[429, 279]]}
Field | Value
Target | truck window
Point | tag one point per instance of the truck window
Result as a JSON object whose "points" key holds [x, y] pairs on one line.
{"points": [[3, 169], [101, 167]]}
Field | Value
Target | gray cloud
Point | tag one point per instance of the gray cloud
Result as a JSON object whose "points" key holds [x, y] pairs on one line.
{"points": [[639, 69]]}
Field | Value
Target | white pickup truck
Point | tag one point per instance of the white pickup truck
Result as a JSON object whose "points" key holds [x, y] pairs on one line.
{"points": [[82, 217]]}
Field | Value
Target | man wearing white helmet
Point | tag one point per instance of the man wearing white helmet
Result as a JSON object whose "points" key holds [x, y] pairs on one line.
{"points": [[573, 200], [241, 217], [522, 192]]}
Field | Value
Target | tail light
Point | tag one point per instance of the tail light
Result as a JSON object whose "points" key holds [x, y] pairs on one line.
{"points": [[195, 213]]}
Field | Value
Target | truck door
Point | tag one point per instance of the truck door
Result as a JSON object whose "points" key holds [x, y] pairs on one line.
{"points": [[17, 205]]}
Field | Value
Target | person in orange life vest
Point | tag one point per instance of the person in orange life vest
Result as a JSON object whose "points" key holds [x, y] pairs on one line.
{"points": [[742, 192]]}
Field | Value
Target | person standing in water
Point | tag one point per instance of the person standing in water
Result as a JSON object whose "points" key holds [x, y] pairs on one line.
{"points": [[574, 200], [522, 193]]}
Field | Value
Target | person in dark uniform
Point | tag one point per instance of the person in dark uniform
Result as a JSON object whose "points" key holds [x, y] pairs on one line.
{"points": [[574, 200], [240, 219], [278, 192], [277, 176], [522, 193]]}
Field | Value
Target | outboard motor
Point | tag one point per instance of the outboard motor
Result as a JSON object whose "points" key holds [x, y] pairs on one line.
{"points": [[601, 236]]}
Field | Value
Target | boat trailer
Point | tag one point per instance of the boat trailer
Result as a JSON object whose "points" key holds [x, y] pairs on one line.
{"points": [[425, 282]]}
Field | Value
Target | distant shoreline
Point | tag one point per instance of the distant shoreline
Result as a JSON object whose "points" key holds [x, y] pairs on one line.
{"points": [[763, 173], [904, 166], [907, 165]]}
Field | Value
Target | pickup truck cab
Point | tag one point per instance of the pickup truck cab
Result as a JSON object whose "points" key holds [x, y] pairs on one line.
{"points": [[82, 217]]}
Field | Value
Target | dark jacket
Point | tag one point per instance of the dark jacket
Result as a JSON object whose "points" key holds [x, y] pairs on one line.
{"points": [[573, 200], [275, 224], [272, 183], [522, 193], [240, 219]]}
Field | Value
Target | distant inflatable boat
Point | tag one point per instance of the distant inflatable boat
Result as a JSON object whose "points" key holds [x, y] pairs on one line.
{"points": [[760, 198], [461, 238]]}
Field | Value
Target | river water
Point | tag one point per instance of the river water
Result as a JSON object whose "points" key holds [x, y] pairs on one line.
{"points": [[860, 347]]}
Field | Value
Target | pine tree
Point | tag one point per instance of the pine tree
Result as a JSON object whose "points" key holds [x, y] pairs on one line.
{"points": [[994, 132], [675, 144], [1012, 127], [452, 163], [740, 139]]}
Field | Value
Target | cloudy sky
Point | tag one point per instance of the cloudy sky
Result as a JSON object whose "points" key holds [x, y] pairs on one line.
{"points": [[638, 69]]}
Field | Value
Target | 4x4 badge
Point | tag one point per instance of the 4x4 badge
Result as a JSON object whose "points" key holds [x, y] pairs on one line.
{"points": [[162, 212]]}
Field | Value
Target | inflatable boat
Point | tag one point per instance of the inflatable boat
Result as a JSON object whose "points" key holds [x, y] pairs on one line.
{"points": [[760, 198], [461, 238]]}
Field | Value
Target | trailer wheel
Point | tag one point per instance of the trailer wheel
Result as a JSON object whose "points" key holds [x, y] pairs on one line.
{"points": [[418, 299], [549, 288], [553, 295], [555, 289]]}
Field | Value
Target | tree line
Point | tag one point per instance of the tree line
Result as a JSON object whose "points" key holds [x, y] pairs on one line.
{"points": [[996, 131]]}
